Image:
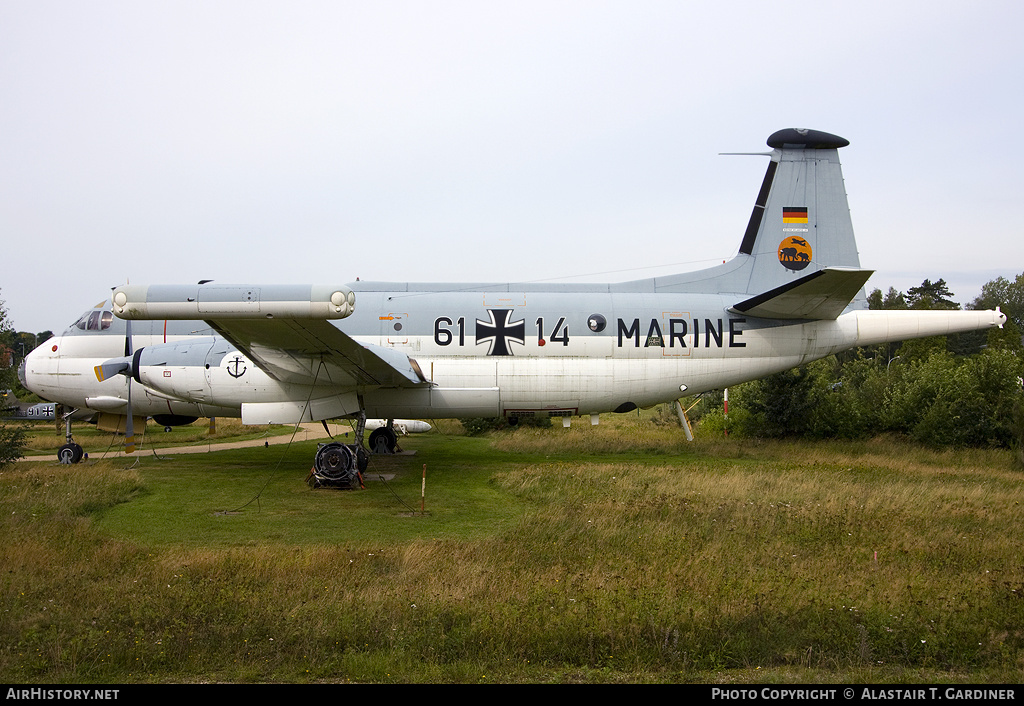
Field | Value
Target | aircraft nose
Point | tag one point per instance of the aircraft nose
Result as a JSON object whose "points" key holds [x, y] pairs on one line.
{"points": [[37, 365]]}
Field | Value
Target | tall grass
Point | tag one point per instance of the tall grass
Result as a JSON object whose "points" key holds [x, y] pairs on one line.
{"points": [[633, 557]]}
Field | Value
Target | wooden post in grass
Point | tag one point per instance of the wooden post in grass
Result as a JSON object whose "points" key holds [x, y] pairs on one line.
{"points": [[726, 411], [423, 490]]}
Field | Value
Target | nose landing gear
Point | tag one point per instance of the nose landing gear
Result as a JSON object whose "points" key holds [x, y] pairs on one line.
{"points": [[70, 452]]}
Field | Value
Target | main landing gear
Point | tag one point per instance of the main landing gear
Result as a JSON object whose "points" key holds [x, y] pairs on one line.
{"points": [[384, 440]]}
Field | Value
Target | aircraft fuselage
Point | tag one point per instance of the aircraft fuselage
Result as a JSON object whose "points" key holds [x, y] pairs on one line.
{"points": [[486, 353]]}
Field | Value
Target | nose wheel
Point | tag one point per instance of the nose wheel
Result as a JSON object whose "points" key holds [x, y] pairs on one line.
{"points": [[70, 452]]}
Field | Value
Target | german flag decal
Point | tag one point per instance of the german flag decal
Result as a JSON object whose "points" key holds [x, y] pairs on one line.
{"points": [[794, 253], [794, 214]]}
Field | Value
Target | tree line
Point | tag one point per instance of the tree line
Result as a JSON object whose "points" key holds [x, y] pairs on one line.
{"points": [[12, 436]]}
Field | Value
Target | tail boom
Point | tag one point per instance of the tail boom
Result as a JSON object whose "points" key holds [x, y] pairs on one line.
{"points": [[885, 326]]}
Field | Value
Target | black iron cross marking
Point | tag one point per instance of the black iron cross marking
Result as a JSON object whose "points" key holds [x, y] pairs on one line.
{"points": [[499, 330]]}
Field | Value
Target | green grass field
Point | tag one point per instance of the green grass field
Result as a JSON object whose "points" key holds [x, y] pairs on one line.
{"points": [[617, 553]]}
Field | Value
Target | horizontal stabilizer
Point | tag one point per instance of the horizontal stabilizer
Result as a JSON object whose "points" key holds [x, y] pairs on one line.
{"points": [[821, 295]]}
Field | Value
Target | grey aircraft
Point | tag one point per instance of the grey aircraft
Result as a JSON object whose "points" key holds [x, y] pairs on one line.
{"points": [[285, 354]]}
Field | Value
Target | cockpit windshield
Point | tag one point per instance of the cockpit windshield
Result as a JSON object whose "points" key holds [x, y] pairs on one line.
{"points": [[95, 320]]}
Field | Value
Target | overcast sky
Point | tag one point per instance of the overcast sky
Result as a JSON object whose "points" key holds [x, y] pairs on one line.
{"points": [[301, 142]]}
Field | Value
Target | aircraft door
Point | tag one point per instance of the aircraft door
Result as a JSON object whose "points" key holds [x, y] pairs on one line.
{"points": [[215, 358]]}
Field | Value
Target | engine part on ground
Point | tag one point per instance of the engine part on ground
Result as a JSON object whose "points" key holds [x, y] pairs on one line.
{"points": [[338, 465]]}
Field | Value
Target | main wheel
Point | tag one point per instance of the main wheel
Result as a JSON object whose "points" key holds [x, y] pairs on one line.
{"points": [[383, 441]]}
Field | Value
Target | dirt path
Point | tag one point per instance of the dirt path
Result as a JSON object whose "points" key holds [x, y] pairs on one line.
{"points": [[306, 432]]}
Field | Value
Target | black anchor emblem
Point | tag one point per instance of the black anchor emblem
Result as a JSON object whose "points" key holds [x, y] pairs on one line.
{"points": [[236, 368]]}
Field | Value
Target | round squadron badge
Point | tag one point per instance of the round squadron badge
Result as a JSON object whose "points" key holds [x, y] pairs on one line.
{"points": [[794, 253]]}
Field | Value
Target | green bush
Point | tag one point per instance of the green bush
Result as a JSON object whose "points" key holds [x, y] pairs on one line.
{"points": [[12, 444], [938, 399]]}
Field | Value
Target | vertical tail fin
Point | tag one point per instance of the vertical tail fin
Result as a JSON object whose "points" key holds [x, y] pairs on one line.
{"points": [[801, 219], [798, 258]]}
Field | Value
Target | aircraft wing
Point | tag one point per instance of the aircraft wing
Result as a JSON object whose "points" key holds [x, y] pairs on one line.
{"points": [[308, 351], [284, 329], [821, 295]]}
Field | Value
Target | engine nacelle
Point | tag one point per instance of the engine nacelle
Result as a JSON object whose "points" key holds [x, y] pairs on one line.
{"points": [[200, 371]]}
